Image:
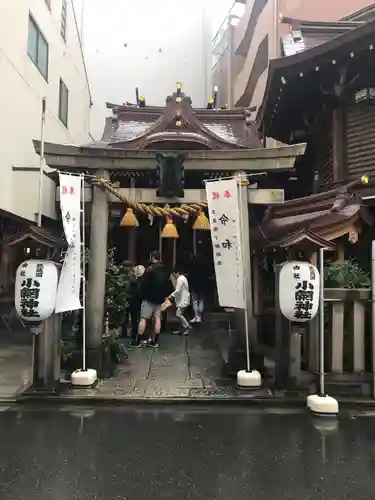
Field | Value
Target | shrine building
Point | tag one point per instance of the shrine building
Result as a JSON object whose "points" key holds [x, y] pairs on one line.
{"points": [[145, 185]]}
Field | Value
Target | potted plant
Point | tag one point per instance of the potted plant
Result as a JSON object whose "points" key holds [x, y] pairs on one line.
{"points": [[346, 281]]}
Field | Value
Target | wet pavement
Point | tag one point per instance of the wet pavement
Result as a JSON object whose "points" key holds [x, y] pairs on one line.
{"points": [[182, 367], [129, 453], [15, 362]]}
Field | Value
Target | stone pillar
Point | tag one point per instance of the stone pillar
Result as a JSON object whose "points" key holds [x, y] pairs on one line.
{"points": [[49, 341], [132, 231], [312, 339], [257, 285], [132, 245], [97, 271], [282, 339]]}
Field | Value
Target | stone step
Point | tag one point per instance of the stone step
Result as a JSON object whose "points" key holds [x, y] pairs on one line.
{"points": [[334, 388]]}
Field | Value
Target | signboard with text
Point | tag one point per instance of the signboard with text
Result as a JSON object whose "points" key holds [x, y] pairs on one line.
{"points": [[223, 208], [68, 291]]}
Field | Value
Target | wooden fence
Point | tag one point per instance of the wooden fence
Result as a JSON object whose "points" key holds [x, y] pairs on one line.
{"points": [[347, 333], [348, 342]]}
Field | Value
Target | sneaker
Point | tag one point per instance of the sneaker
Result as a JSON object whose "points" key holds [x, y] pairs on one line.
{"points": [[176, 332], [153, 343], [199, 319], [146, 342], [194, 320], [133, 344], [186, 331]]}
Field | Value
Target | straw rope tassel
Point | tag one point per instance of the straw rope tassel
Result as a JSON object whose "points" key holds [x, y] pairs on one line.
{"points": [[181, 211]]}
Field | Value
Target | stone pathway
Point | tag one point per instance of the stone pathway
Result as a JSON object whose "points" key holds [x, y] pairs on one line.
{"points": [[183, 367], [15, 363]]}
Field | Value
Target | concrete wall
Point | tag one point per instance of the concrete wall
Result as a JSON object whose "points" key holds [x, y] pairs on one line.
{"points": [[22, 87], [258, 23]]}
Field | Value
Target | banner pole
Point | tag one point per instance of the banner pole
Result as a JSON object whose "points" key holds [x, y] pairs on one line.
{"points": [[321, 324], [83, 265], [249, 379], [244, 291], [320, 403], [83, 377], [373, 315]]}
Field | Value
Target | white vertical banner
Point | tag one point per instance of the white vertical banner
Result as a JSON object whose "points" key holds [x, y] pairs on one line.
{"points": [[223, 207], [69, 286]]}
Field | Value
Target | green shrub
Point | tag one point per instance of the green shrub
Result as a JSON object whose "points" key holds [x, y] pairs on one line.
{"points": [[116, 299], [347, 274]]}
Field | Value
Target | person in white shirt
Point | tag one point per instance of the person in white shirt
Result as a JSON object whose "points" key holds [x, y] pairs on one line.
{"points": [[181, 296]]}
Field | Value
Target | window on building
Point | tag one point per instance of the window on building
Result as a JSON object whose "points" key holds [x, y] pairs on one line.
{"points": [[37, 48], [63, 103], [48, 2], [64, 9]]}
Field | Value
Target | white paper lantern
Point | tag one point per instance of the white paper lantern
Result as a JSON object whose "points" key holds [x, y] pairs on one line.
{"points": [[35, 290], [299, 289]]}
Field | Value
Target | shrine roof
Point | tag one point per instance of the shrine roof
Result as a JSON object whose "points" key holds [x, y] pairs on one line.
{"points": [[302, 238], [24, 229], [40, 235], [11, 217], [299, 84], [325, 216], [132, 127]]}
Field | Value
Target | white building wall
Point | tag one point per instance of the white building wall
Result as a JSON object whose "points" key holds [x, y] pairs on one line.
{"points": [[22, 88]]}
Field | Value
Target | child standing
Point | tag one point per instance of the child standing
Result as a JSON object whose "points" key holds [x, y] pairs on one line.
{"points": [[181, 296]]}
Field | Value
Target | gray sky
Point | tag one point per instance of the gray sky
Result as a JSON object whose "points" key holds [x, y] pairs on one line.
{"points": [[152, 12], [149, 43]]}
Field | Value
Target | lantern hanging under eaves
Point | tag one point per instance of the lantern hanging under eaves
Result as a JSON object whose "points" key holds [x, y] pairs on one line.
{"points": [[299, 291]]}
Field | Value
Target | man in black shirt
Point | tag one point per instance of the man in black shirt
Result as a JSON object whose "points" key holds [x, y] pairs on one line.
{"points": [[155, 287]]}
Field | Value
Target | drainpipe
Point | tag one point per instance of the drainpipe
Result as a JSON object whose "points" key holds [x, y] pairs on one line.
{"points": [[230, 55], [206, 34], [41, 163], [276, 50], [276, 45]]}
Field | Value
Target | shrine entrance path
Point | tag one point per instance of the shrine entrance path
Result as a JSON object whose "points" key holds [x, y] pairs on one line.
{"points": [[182, 367]]}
